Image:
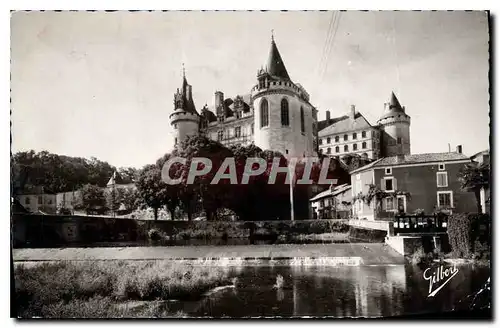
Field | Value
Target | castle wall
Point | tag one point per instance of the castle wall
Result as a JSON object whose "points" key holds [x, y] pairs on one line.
{"points": [[184, 125], [289, 140], [391, 132]]}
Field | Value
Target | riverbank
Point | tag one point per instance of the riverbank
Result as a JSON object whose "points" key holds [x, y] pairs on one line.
{"points": [[370, 253], [111, 289]]}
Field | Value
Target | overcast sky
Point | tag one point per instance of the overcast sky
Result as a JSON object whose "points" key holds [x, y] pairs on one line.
{"points": [[102, 84]]}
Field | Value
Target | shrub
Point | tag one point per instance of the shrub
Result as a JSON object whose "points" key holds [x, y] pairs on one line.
{"points": [[466, 231], [154, 234]]}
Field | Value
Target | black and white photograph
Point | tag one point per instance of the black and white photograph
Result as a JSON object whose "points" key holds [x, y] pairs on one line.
{"points": [[329, 164]]}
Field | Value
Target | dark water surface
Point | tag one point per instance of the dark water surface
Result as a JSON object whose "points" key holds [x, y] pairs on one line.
{"points": [[365, 291]]}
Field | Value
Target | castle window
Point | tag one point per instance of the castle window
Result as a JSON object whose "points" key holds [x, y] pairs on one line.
{"points": [[285, 119], [252, 129], [346, 148], [237, 131], [354, 136], [337, 149], [363, 134], [345, 137], [442, 179], [337, 139], [175, 142], [264, 113], [363, 145], [328, 140], [320, 141], [328, 150], [355, 147], [302, 125], [399, 140], [220, 135]]}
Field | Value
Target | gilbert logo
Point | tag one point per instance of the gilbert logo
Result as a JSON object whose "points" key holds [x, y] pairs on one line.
{"points": [[436, 278]]}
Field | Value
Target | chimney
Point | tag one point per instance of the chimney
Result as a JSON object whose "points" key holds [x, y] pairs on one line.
{"points": [[219, 99], [352, 114], [459, 149], [328, 116]]}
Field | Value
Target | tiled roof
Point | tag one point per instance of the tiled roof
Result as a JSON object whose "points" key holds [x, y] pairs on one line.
{"points": [[346, 124], [329, 192], [414, 159]]}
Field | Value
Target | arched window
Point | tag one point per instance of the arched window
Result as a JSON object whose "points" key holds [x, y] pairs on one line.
{"points": [[302, 123], [336, 138], [355, 147], [363, 134], [363, 145], [337, 149], [345, 137], [264, 113], [346, 148], [285, 117], [354, 136]]}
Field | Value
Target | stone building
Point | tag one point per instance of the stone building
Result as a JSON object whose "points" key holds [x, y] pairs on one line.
{"points": [[38, 200], [274, 114], [353, 134], [427, 182]]}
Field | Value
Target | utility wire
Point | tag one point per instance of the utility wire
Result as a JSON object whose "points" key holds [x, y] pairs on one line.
{"points": [[327, 40], [332, 43]]}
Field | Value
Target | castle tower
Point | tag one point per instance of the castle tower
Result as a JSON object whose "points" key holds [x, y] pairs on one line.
{"points": [[185, 119], [283, 117], [395, 128]]}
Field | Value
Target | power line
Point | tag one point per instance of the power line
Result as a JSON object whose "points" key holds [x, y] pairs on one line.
{"points": [[327, 40], [332, 43]]}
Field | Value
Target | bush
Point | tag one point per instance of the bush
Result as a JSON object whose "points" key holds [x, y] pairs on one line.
{"points": [[154, 234], [467, 232]]}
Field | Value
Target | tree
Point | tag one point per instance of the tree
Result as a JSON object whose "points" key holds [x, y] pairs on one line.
{"points": [[211, 196], [473, 177], [131, 198], [114, 198], [93, 198], [151, 188]]}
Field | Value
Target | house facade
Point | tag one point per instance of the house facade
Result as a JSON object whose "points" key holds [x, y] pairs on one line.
{"points": [[334, 203], [38, 200], [411, 183]]}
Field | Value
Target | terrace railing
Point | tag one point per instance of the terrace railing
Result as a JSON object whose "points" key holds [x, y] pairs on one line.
{"points": [[420, 223]]}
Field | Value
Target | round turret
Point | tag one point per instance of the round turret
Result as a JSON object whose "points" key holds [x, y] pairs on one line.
{"points": [[395, 127], [185, 120], [283, 116]]}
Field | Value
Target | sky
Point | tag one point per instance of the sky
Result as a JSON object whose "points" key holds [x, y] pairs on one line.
{"points": [[96, 84]]}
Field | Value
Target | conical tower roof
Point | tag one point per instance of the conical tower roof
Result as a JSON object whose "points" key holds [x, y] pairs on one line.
{"points": [[275, 65], [394, 103]]}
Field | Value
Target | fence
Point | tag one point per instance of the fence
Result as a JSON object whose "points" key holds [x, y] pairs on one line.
{"points": [[422, 223]]}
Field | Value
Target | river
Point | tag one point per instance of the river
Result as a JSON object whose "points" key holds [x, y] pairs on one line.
{"points": [[363, 291]]}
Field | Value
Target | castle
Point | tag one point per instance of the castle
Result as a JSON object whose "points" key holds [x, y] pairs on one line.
{"points": [[277, 114]]}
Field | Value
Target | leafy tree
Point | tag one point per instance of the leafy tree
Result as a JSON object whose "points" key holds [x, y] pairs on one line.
{"points": [[473, 177], [131, 198], [114, 198], [211, 196], [93, 198], [151, 188]]}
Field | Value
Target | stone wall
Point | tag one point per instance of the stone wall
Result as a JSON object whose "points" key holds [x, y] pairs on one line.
{"points": [[30, 230]]}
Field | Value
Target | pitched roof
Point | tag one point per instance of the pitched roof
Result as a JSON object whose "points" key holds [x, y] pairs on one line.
{"points": [[346, 123], [331, 192], [394, 103], [275, 66], [115, 179], [414, 159]]}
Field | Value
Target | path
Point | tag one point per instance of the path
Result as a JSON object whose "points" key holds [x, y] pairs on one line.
{"points": [[371, 253]]}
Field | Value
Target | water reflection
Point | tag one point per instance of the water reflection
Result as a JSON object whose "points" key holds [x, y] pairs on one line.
{"points": [[336, 292]]}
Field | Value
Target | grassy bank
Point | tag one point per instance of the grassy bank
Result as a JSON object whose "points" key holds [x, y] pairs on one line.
{"points": [[106, 289]]}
